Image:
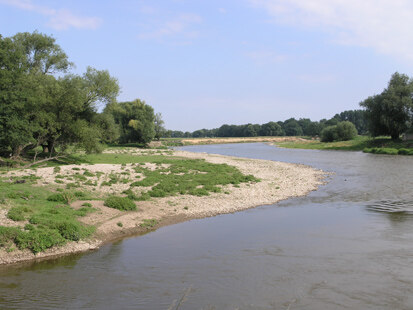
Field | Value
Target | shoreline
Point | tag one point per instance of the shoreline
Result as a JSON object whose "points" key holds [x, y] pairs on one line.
{"points": [[279, 181]]}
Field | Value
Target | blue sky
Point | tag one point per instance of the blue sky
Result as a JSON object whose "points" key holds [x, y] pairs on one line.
{"points": [[203, 63]]}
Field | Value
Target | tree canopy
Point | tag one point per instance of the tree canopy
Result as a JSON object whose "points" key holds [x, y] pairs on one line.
{"points": [[391, 112], [43, 104]]}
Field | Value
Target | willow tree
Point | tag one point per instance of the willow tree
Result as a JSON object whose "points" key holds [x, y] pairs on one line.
{"points": [[39, 104], [390, 113], [135, 120]]}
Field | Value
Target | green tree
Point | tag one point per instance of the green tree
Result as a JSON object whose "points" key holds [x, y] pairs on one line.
{"points": [[390, 113], [158, 126], [343, 131], [271, 129], [292, 128], [135, 120], [27, 62], [40, 106]]}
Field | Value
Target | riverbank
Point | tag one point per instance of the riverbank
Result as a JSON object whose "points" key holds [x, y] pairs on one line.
{"points": [[278, 181], [223, 140], [379, 145]]}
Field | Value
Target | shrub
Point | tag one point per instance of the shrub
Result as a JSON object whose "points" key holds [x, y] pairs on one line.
{"points": [[73, 231], [8, 234], [65, 197], [329, 134], [343, 131], [120, 203], [346, 131], [38, 240]]}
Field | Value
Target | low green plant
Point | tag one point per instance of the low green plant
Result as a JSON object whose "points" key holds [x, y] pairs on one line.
{"points": [[88, 174], [18, 213], [65, 197], [149, 223], [120, 203]]}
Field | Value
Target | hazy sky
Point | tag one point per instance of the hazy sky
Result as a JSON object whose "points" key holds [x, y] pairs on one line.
{"points": [[203, 63]]}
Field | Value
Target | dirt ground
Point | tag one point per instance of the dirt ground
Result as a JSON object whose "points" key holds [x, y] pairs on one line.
{"points": [[279, 181]]}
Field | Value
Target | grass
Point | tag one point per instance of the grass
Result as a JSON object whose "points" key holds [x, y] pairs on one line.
{"points": [[379, 145], [50, 220], [188, 176]]}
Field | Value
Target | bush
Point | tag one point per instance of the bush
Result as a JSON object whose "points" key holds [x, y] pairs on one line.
{"points": [[38, 240], [329, 134], [343, 131], [346, 131], [73, 231], [61, 197], [120, 203], [8, 234]]}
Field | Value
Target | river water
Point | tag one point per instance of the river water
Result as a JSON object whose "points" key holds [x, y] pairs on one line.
{"points": [[348, 245]]}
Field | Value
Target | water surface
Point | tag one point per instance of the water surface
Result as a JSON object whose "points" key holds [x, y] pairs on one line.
{"points": [[348, 245]]}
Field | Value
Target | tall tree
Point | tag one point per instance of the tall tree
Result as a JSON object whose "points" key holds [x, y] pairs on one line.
{"points": [[390, 113], [135, 120], [158, 126]]}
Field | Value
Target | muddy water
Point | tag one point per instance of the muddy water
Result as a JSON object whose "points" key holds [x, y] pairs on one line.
{"points": [[347, 246]]}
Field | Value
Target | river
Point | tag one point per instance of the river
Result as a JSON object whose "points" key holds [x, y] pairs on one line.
{"points": [[348, 245]]}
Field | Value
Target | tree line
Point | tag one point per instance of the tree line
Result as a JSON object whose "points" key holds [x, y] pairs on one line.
{"points": [[43, 105], [389, 113], [289, 127]]}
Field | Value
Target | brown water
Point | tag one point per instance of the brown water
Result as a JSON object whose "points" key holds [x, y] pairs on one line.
{"points": [[347, 246]]}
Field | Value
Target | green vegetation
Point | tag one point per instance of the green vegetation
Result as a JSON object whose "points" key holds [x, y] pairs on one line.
{"points": [[188, 176], [47, 111], [379, 145], [289, 127], [149, 223], [343, 131], [120, 203], [50, 223], [391, 112]]}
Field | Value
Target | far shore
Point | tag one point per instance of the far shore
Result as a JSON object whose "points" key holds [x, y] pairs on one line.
{"points": [[279, 181]]}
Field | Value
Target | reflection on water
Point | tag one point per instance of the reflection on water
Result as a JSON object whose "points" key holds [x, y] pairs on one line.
{"points": [[348, 245]]}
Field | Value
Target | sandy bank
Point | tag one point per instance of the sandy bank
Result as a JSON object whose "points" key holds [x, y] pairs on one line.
{"points": [[279, 181], [196, 141]]}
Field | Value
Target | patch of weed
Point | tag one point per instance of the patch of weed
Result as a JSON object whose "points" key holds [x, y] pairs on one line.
{"points": [[120, 203]]}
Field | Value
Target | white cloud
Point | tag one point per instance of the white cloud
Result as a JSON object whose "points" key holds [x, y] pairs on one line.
{"points": [[59, 19], [222, 10], [180, 25], [384, 25]]}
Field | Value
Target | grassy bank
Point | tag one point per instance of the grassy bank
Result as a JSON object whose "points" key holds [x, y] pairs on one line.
{"points": [[379, 145], [36, 205]]}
